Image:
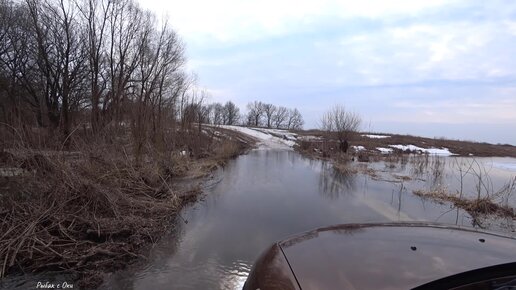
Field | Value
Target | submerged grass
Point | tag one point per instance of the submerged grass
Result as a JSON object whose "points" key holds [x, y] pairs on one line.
{"points": [[475, 207]]}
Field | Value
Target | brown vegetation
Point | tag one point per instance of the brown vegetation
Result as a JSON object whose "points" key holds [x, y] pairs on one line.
{"points": [[92, 210], [98, 120], [475, 207], [270, 116], [461, 148], [340, 124]]}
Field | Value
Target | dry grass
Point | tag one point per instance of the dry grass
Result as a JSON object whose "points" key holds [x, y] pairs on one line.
{"points": [[228, 150], [475, 207], [460, 147], [83, 216], [344, 168], [93, 211]]}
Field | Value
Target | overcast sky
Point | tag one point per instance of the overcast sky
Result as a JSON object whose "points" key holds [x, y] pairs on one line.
{"points": [[431, 68]]}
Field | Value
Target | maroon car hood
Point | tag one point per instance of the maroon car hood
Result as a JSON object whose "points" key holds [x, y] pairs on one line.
{"points": [[390, 256]]}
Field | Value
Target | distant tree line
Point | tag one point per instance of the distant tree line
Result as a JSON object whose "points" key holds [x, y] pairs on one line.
{"points": [[93, 62], [271, 116], [259, 114], [102, 64], [220, 114]]}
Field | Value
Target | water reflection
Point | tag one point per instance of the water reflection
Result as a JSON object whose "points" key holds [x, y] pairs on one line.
{"points": [[468, 178], [264, 196], [333, 183], [268, 195], [397, 201]]}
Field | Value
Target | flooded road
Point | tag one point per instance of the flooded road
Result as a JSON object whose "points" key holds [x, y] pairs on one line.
{"points": [[260, 198]]}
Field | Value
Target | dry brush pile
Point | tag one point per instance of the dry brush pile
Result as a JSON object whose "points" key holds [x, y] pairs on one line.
{"points": [[91, 210], [98, 115], [75, 215]]}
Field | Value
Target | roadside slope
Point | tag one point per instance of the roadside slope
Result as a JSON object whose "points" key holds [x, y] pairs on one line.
{"points": [[266, 138]]}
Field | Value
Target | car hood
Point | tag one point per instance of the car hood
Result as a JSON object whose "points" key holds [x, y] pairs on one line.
{"points": [[390, 256]]}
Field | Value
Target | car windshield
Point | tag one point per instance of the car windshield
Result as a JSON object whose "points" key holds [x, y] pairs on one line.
{"points": [[498, 277]]}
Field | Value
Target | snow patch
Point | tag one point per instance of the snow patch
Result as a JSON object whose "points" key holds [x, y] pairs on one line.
{"points": [[358, 148], [439, 151], [384, 150], [407, 147], [265, 139], [433, 151], [309, 138], [284, 134], [376, 136]]}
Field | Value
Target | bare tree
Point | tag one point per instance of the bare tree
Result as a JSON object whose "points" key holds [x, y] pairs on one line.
{"points": [[125, 23], [231, 112], [15, 58], [107, 60], [60, 57], [95, 13], [255, 114], [280, 117], [269, 110], [341, 124], [295, 120], [205, 114], [217, 112]]}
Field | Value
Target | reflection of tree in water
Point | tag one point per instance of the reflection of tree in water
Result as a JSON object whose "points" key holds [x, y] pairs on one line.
{"points": [[293, 157], [436, 172], [169, 245], [398, 194], [332, 182], [158, 257], [419, 165], [429, 167]]}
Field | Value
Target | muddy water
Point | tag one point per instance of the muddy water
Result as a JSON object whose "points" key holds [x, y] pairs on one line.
{"points": [[268, 195]]}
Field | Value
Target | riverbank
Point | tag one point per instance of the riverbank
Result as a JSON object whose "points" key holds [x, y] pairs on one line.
{"points": [[316, 142], [92, 210]]}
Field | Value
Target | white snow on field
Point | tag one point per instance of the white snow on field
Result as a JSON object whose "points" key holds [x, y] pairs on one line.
{"points": [[376, 136], [433, 151], [309, 138], [279, 131], [358, 148], [407, 147], [265, 140], [439, 151], [285, 134], [384, 150]]}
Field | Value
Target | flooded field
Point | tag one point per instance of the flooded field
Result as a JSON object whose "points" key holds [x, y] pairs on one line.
{"points": [[268, 195]]}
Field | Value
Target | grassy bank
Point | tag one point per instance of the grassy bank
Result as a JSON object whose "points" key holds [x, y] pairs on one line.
{"points": [[92, 209], [328, 146]]}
